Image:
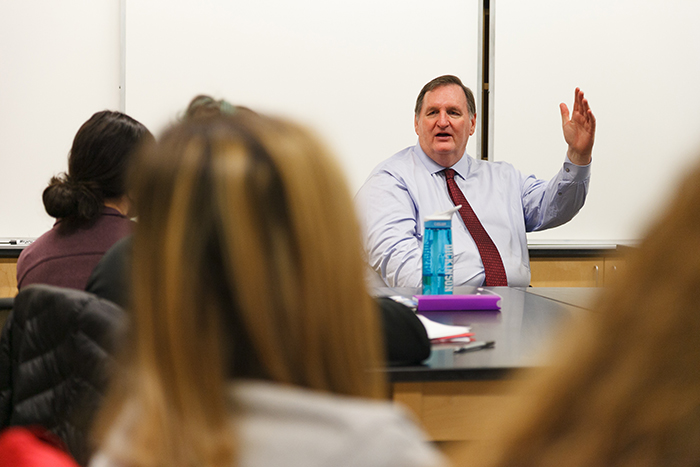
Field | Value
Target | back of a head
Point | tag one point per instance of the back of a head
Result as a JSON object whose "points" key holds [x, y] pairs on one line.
{"points": [[623, 389], [204, 106], [97, 168], [247, 240]]}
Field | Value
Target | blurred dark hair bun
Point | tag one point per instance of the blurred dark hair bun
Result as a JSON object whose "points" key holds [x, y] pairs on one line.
{"points": [[97, 168]]}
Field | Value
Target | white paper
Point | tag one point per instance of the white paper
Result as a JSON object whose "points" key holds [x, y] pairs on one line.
{"points": [[441, 331]]}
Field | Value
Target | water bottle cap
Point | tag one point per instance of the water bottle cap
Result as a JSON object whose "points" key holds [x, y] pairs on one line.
{"points": [[443, 216]]}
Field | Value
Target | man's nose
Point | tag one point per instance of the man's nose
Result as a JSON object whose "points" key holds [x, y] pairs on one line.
{"points": [[443, 121]]}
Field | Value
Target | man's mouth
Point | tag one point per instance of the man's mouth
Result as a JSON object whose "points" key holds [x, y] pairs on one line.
{"points": [[443, 135]]}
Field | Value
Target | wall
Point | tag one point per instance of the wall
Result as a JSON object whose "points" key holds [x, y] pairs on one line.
{"points": [[59, 63], [352, 71], [637, 62]]}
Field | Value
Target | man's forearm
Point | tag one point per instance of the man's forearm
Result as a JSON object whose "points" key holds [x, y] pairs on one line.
{"points": [[398, 262], [553, 203]]}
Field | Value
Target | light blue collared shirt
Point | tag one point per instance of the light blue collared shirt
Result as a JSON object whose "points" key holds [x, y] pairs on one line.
{"points": [[404, 189]]}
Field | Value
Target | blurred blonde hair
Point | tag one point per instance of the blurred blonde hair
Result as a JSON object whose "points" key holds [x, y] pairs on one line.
{"points": [[247, 264], [624, 389]]}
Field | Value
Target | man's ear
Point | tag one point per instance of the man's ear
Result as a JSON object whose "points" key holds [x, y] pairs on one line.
{"points": [[415, 123], [473, 125]]}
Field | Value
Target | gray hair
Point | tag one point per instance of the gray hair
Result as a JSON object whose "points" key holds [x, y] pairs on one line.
{"points": [[446, 80]]}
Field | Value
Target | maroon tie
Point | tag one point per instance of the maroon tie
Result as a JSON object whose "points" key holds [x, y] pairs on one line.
{"points": [[493, 265]]}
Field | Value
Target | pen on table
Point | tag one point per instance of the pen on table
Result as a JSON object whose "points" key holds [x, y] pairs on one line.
{"points": [[476, 345]]}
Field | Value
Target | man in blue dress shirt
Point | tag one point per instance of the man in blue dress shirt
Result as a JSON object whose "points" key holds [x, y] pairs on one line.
{"points": [[404, 189]]}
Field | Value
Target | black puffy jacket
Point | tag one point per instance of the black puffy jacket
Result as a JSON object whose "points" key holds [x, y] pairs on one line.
{"points": [[55, 359]]}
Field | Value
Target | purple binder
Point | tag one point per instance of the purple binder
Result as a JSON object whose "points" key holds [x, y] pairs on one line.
{"points": [[484, 301]]}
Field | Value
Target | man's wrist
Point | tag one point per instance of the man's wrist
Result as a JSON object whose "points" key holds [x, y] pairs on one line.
{"points": [[578, 158]]}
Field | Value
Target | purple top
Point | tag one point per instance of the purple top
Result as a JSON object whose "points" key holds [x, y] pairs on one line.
{"points": [[67, 260]]}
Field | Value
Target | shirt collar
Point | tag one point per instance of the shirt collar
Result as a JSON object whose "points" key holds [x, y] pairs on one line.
{"points": [[461, 167], [106, 211]]}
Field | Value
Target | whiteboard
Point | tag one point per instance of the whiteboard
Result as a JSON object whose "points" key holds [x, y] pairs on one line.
{"points": [[59, 63], [351, 70], [638, 64]]}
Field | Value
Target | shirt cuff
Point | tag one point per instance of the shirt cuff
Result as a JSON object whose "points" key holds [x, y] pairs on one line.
{"points": [[574, 172]]}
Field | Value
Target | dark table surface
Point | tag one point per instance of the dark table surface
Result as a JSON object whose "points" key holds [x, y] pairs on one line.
{"points": [[583, 297], [528, 320]]}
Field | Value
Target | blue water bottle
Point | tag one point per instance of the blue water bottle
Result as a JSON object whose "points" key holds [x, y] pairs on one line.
{"points": [[437, 253]]}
